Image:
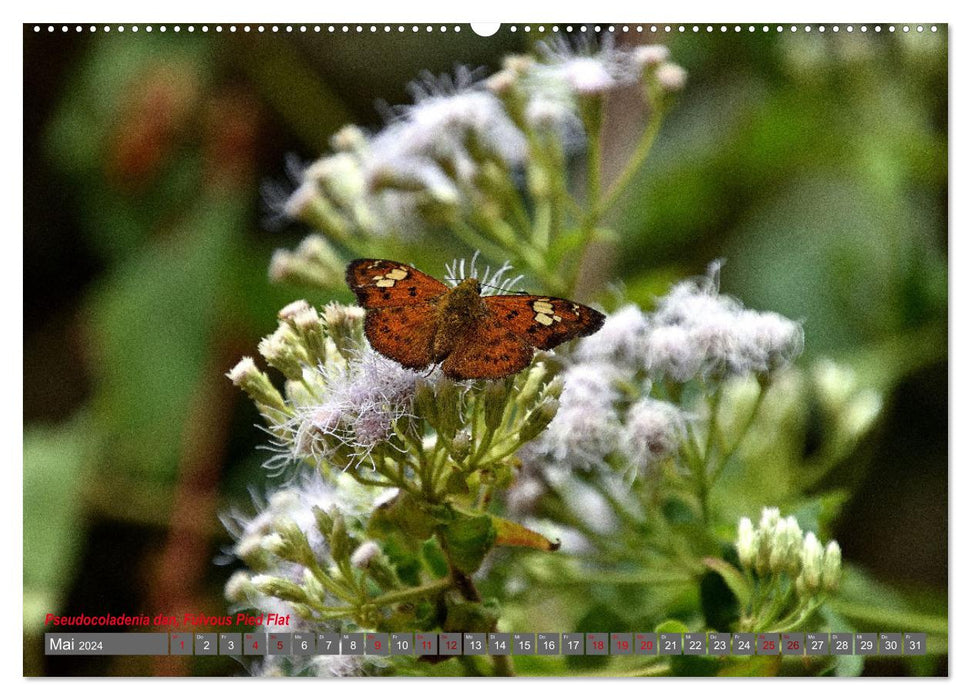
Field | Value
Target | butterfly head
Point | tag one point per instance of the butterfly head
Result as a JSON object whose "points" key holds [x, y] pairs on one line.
{"points": [[460, 307], [467, 289]]}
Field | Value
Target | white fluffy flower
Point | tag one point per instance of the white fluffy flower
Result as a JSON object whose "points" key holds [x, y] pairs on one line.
{"points": [[586, 428], [695, 330], [654, 430], [336, 666], [590, 386], [586, 69], [295, 502], [448, 110], [357, 405], [672, 351], [581, 437], [257, 541], [621, 339]]}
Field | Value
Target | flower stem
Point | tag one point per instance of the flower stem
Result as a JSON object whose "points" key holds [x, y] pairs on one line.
{"points": [[637, 159], [427, 590]]}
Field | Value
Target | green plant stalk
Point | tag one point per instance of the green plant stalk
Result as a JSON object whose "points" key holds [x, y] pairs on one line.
{"points": [[427, 590], [591, 113], [746, 427], [335, 587], [892, 619], [704, 484], [634, 163]]}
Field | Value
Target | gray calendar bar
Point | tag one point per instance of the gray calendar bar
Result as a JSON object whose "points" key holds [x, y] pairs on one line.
{"points": [[106, 644], [479, 643]]}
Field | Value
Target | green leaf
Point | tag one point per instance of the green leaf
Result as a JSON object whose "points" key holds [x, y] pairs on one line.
{"points": [[468, 540], [672, 626], [152, 324], [734, 579], [403, 513], [464, 616], [869, 602], [54, 471], [434, 557], [511, 534], [719, 603]]}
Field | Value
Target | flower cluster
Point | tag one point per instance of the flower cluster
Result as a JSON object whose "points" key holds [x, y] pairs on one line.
{"points": [[271, 543], [791, 571], [390, 451], [301, 555], [610, 402], [695, 332], [455, 158]]}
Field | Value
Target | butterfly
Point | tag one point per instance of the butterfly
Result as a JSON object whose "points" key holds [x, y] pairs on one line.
{"points": [[418, 321]]}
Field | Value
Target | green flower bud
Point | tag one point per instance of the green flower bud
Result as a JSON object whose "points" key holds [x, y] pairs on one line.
{"points": [[290, 311], [340, 544], [325, 523], [285, 351], [259, 388], [320, 213], [812, 562], [310, 327], [370, 557], [447, 408], [281, 588], [295, 546], [538, 419], [461, 445], [745, 543], [239, 588], [345, 327], [832, 566], [364, 554], [554, 388], [770, 516], [274, 544], [779, 552], [314, 589], [425, 402], [494, 401], [793, 560], [532, 385], [314, 263], [772, 542], [298, 393], [251, 550]]}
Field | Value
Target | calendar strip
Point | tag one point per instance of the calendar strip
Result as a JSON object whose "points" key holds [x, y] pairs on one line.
{"points": [[480, 643]]}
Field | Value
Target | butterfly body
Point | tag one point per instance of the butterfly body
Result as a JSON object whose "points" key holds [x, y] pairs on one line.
{"points": [[459, 311], [418, 321]]}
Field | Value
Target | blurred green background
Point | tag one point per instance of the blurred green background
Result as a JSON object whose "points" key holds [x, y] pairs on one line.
{"points": [[816, 165]]}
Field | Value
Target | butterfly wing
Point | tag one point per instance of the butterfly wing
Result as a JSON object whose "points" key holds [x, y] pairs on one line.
{"points": [[383, 283], [403, 333], [400, 309], [487, 351], [544, 322]]}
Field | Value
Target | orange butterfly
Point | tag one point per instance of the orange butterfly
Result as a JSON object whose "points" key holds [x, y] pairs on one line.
{"points": [[418, 321]]}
